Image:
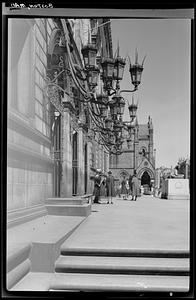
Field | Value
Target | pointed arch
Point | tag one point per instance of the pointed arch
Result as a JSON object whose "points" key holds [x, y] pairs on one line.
{"points": [[122, 173], [149, 171]]}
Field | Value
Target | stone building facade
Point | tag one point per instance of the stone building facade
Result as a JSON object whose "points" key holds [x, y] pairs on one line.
{"points": [[140, 156], [51, 151]]}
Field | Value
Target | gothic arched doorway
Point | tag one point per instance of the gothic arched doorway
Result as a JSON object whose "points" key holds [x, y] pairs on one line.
{"points": [[145, 179]]}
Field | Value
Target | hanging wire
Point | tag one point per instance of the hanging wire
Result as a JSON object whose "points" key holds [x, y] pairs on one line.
{"points": [[73, 71], [98, 127], [92, 107]]}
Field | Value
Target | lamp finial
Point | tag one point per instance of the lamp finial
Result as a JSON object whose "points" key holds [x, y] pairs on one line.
{"points": [[118, 49], [136, 56]]}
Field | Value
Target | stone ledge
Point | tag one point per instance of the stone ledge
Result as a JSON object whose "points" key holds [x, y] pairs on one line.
{"points": [[18, 273], [20, 216], [101, 282], [108, 282], [17, 255], [65, 201], [122, 265], [161, 253], [178, 197], [46, 234], [69, 210]]}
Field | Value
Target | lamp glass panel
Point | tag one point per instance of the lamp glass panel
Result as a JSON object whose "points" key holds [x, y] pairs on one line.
{"points": [[108, 124], [103, 110], [132, 112], [122, 108], [115, 72], [110, 69], [94, 77], [92, 57], [120, 71], [139, 74], [86, 61]]}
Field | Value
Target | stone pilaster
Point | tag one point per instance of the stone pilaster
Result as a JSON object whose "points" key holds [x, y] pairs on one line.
{"points": [[80, 162], [66, 188], [136, 149]]}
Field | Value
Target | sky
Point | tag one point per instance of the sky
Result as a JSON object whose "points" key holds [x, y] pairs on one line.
{"points": [[164, 92]]}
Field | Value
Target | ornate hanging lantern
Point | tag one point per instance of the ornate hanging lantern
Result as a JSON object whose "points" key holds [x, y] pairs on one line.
{"points": [[132, 111], [109, 124], [108, 68], [121, 106], [119, 66], [118, 127], [102, 98], [113, 107], [92, 77], [103, 110], [89, 53], [117, 105], [102, 101], [130, 127], [136, 73]]}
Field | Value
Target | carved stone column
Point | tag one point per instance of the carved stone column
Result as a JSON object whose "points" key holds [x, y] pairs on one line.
{"points": [[66, 190], [80, 161]]}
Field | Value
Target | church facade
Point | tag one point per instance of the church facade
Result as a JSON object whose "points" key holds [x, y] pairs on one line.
{"points": [[140, 156]]}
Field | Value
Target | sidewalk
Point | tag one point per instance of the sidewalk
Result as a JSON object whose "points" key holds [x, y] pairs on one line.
{"points": [[148, 223], [109, 250]]}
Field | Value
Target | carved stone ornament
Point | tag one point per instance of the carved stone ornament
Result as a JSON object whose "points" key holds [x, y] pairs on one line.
{"points": [[74, 123], [52, 93]]}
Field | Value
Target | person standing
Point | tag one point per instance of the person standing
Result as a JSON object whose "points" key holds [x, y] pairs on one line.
{"points": [[123, 188], [118, 189], [130, 185], [97, 184], [110, 187], [103, 187], [135, 186]]}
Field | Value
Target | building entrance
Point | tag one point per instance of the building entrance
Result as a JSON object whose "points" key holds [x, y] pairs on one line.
{"points": [[145, 179]]}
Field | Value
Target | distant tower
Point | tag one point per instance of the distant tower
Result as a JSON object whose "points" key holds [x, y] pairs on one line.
{"points": [[139, 156], [136, 144], [150, 147]]}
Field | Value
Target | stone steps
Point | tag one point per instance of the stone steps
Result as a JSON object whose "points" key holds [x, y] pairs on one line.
{"points": [[65, 201], [122, 265], [176, 253], [38, 281], [91, 269], [116, 283], [35, 246], [69, 209], [18, 264]]}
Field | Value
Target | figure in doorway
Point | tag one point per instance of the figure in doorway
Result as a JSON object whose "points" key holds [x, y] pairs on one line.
{"points": [[110, 187], [130, 184], [103, 187], [123, 188], [135, 186], [97, 184]]}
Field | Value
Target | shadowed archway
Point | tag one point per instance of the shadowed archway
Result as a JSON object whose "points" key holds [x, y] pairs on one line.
{"points": [[145, 179]]}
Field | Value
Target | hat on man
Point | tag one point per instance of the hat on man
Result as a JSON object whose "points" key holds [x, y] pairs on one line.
{"points": [[110, 172], [98, 170]]}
